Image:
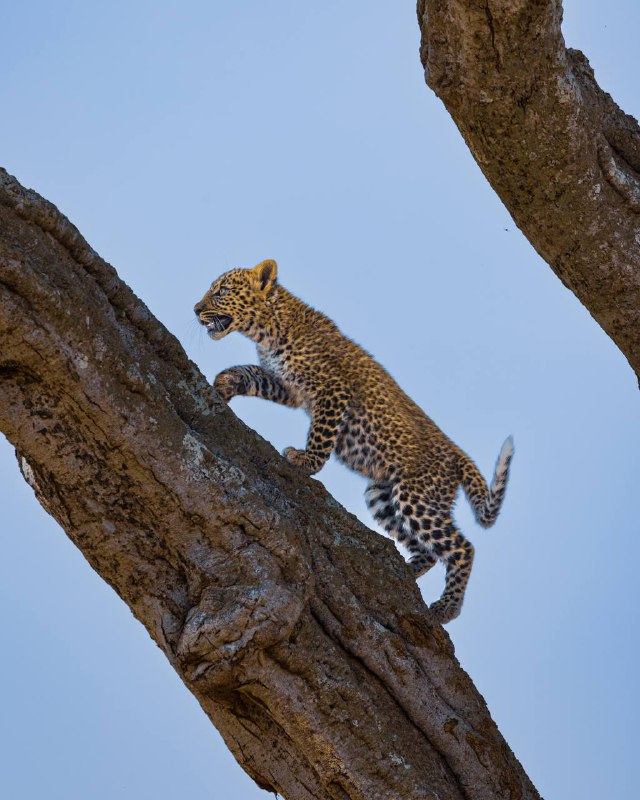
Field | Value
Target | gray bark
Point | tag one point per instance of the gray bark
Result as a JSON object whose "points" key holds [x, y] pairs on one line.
{"points": [[301, 633], [561, 155]]}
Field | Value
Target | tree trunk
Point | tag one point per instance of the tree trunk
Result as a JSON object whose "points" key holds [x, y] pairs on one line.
{"points": [[562, 156], [301, 633]]}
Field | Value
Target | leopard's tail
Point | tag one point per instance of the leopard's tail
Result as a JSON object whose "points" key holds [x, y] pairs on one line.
{"points": [[485, 501]]}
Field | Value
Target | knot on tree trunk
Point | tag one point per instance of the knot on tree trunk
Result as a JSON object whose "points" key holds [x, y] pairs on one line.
{"points": [[619, 173], [229, 626]]}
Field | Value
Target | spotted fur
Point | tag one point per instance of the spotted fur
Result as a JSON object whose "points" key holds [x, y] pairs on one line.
{"points": [[359, 413]]}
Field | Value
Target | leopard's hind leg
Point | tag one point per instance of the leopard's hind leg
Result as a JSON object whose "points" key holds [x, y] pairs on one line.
{"points": [[456, 552], [379, 499], [430, 534], [382, 500]]}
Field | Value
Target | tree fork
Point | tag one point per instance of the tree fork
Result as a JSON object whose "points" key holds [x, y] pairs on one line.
{"points": [[559, 152], [300, 632]]}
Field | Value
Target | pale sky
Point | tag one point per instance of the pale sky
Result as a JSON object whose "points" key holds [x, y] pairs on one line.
{"points": [[187, 138]]}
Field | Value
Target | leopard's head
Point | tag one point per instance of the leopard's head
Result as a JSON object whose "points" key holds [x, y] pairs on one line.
{"points": [[237, 300]]}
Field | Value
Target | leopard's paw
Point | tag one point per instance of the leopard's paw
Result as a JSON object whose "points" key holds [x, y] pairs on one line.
{"points": [[299, 459], [445, 610], [228, 384]]}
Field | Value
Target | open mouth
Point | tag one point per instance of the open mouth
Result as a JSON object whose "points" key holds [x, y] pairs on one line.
{"points": [[219, 323]]}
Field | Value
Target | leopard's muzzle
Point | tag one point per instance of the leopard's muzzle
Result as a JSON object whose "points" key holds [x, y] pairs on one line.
{"points": [[218, 323]]}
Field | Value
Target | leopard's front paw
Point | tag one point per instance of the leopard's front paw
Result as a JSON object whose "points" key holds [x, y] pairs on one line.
{"points": [[228, 384], [299, 459]]}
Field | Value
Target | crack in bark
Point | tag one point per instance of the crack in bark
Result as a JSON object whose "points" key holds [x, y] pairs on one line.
{"points": [[319, 613], [492, 34]]}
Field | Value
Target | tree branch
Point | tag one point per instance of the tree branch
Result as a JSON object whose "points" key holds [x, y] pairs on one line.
{"points": [[300, 632], [562, 156]]}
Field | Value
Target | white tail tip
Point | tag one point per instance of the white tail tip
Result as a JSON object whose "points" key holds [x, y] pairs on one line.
{"points": [[506, 453]]}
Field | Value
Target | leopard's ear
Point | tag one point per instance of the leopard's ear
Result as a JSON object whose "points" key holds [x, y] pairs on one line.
{"points": [[265, 275]]}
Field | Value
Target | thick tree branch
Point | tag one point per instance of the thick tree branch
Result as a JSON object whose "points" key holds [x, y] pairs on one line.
{"points": [[300, 632], [562, 156]]}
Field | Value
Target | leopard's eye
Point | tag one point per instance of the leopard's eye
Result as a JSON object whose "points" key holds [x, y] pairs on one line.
{"points": [[223, 290]]}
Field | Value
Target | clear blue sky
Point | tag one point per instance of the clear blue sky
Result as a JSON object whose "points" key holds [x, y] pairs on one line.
{"points": [[185, 138]]}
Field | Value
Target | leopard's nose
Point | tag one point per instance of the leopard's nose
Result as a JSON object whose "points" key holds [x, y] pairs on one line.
{"points": [[198, 308]]}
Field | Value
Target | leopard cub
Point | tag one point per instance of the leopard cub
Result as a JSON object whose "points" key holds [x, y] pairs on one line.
{"points": [[359, 413]]}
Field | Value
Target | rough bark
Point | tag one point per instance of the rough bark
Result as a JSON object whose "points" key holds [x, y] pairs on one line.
{"points": [[562, 156], [301, 633]]}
